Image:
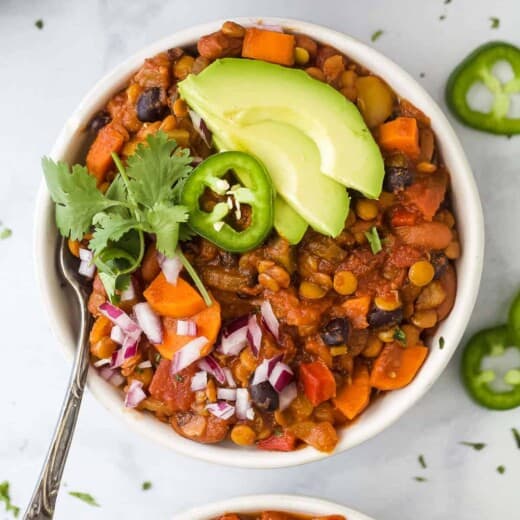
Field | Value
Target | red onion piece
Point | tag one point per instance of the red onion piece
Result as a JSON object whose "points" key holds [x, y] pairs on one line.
{"points": [[201, 127], [287, 396], [87, 269], [254, 334], [274, 28], [102, 362], [85, 255], [242, 403], [117, 334], [264, 369], [149, 322], [128, 350], [145, 364], [211, 365], [229, 378], [187, 355], [111, 376], [120, 318], [135, 394], [281, 376], [269, 318], [221, 409], [129, 293], [171, 267], [186, 328], [234, 337], [199, 381], [250, 414], [227, 394], [196, 160]]}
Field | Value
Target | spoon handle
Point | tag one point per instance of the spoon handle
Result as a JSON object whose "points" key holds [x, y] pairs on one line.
{"points": [[44, 496]]}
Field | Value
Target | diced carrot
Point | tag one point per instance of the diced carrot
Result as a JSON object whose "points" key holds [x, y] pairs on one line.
{"points": [[318, 382], [428, 192], [177, 301], [400, 134], [208, 325], [400, 216], [396, 366], [110, 138], [431, 235], [272, 46], [354, 397], [284, 442], [356, 309]]}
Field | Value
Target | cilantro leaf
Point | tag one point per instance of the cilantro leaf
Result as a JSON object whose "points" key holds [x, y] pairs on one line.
{"points": [[5, 497], [110, 227], [117, 190], [516, 435], [154, 170], [374, 240], [422, 461], [86, 497], [400, 335], [501, 469], [478, 446], [495, 22], [376, 35], [5, 233], [186, 233], [164, 220], [420, 479], [146, 485], [76, 196]]}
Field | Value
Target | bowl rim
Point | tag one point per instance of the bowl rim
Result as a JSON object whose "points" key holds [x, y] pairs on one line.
{"points": [[469, 266], [252, 503]]}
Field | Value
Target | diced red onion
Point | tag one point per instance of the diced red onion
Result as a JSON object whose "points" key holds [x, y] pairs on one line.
{"points": [[200, 127], [229, 377], [135, 394], [117, 334], [199, 381], [145, 364], [171, 267], [128, 350], [149, 322], [120, 318], [250, 414], [188, 354], [221, 409], [227, 394], [287, 396], [242, 403], [254, 334], [211, 365], [281, 376], [196, 160], [85, 254], [269, 318], [274, 28], [111, 376], [186, 328], [86, 269], [234, 337], [129, 293], [102, 362], [264, 369]]}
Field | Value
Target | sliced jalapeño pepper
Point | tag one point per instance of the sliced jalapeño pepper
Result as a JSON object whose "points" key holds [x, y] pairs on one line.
{"points": [[478, 67], [255, 191]]}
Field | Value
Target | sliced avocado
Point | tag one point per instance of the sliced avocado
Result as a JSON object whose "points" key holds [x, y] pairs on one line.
{"points": [[287, 222], [246, 92]]}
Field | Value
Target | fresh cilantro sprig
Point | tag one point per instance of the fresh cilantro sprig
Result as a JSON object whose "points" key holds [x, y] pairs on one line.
{"points": [[85, 497], [143, 198], [5, 497]]}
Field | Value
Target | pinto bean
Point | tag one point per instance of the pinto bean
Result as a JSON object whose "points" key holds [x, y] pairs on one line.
{"points": [[430, 235], [218, 45]]}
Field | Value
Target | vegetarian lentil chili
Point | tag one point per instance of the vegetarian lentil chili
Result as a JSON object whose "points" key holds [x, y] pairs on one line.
{"points": [[298, 339], [276, 515]]}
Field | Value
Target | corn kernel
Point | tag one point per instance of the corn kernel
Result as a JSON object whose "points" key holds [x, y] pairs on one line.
{"points": [[452, 251], [373, 348], [301, 55], [424, 319], [426, 167], [311, 291], [180, 135], [104, 348], [243, 435], [345, 282], [180, 109], [390, 303], [348, 78], [366, 209], [338, 351], [421, 273], [315, 73], [168, 123], [233, 30], [183, 66], [387, 336]]}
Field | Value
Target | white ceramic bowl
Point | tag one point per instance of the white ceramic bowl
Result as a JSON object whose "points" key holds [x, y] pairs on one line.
{"points": [[255, 503], [71, 144]]}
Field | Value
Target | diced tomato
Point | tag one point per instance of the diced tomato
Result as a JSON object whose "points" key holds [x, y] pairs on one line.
{"points": [[318, 382], [428, 192], [284, 442], [175, 391], [401, 216]]}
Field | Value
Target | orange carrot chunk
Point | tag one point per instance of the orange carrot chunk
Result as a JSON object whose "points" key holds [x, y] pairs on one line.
{"points": [[110, 138], [400, 134], [208, 325], [396, 366], [176, 301], [356, 309], [318, 382], [272, 46], [354, 397]]}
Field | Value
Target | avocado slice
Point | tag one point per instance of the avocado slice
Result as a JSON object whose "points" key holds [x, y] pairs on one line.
{"points": [[287, 222], [248, 92]]}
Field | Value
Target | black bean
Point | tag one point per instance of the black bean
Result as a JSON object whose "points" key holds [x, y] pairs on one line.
{"points": [[100, 120], [335, 332], [379, 318], [151, 105], [264, 396], [397, 178], [440, 263]]}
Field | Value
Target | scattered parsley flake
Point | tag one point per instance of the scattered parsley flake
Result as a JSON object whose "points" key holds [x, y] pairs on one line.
{"points": [[516, 435], [85, 497], [420, 479], [278, 432], [5, 233], [374, 240], [39, 24], [179, 378], [495, 22], [146, 485], [475, 445], [442, 17], [501, 469], [422, 461], [441, 342], [447, 1], [422, 75], [5, 497], [157, 358], [400, 336], [376, 35]]}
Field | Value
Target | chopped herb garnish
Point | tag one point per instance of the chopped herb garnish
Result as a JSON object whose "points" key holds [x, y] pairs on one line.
{"points": [[422, 461], [422, 75], [278, 432], [376, 35], [146, 485], [157, 358], [400, 335], [420, 479], [442, 17], [441, 342], [516, 435], [5, 233], [179, 378], [39, 24], [475, 445], [5, 497], [447, 1], [374, 240], [85, 497], [495, 22], [501, 469]]}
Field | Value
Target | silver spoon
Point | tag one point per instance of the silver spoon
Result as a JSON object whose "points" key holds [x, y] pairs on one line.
{"points": [[44, 496]]}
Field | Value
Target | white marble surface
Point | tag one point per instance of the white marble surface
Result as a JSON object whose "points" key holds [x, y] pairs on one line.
{"points": [[43, 76]]}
